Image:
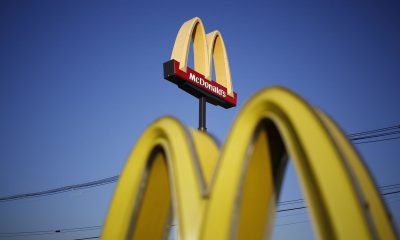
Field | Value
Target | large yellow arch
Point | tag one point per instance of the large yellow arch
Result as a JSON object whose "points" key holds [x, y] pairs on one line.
{"points": [[238, 201], [189, 157], [332, 190]]}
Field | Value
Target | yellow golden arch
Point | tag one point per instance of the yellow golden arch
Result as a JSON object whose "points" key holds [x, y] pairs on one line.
{"points": [[231, 192], [206, 48]]}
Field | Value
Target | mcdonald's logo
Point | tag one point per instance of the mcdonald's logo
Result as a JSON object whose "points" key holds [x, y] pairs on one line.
{"points": [[198, 82], [180, 175], [231, 193]]}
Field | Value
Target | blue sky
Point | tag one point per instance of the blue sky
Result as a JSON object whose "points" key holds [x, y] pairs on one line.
{"points": [[81, 80]]}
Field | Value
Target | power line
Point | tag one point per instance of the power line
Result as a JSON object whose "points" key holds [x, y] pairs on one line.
{"points": [[298, 208], [395, 127], [86, 238], [97, 227], [47, 232], [291, 209], [390, 186], [91, 184], [294, 201], [380, 140], [286, 224], [68, 188], [304, 207], [375, 135], [389, 193], [291, 215], [382, 188], [370, 134]]}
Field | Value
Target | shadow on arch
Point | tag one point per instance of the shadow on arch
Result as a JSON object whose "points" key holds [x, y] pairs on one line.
{"points": [[231, 193]]}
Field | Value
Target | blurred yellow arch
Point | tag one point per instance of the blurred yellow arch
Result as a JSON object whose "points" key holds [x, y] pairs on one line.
{"points": [[205, 48], [231, 193]]}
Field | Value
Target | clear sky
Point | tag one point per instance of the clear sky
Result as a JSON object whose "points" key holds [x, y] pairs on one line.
{"points": [[81, 80]]}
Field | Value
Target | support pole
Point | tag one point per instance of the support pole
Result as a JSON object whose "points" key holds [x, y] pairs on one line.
{"points": [[202, 114]]}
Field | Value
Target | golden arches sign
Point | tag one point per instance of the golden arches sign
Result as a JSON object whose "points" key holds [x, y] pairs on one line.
{"points": [[231, 192], [198, 81], [205, 47]]}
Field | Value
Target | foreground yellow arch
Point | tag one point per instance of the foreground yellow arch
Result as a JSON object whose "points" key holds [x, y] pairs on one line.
{"points": [[231, 193], [166, 144]]}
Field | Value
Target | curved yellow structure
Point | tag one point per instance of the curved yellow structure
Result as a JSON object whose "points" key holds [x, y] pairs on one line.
{"points": [[231, 193], [205, 48], [166, 164]]}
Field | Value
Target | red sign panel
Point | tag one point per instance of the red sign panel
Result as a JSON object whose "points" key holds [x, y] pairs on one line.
{"points": [[197, 85]]}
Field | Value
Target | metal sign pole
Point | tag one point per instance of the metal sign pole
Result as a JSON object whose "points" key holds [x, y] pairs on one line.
{"points": [[202, 114]]}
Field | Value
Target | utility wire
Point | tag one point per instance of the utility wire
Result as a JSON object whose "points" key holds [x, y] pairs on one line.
{"points": [[290, 209], [390, 186], [395, 127], [86, 238], [97, 227], [286, 224], [370, 134], [68, 188], [383, 188], [294, 201], [380, 140], [303, 207], [291, 215], [282, 225], [83, 186], [389, 193], [374, 135], [47, 232]]}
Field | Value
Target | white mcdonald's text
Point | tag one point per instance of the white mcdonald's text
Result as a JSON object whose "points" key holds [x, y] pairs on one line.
{"points": [[206, 84]]}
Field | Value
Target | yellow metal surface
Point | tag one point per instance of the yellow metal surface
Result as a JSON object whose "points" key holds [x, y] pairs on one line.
{"points": [[205, 47], [372, 201], [217, 50], [186, 181], [192, 30], [329, 190], [255, 194], [207, 153], [235, 197], [156, 202]]}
